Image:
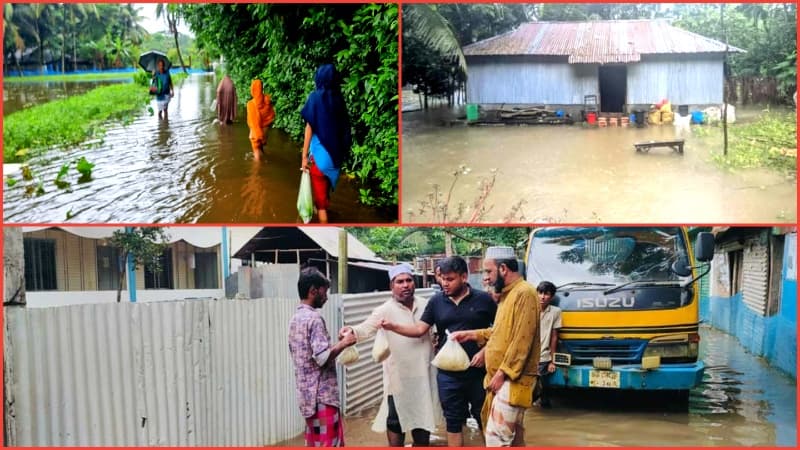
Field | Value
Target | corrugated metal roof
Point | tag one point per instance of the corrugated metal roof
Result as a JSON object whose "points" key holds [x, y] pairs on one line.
{"points": [[601, 42]]}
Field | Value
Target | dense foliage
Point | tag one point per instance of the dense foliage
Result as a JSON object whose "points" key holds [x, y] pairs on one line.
{"points": [[770, 141], [76, 35], [284, 44], [766, 31], [406, 243]]}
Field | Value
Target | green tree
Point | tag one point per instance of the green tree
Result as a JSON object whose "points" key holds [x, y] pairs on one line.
{"points": [[173, 13], [283, 45], [144, 245]]}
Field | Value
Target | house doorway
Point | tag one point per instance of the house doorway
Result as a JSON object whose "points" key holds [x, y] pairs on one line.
{"points": [[613, 84]]}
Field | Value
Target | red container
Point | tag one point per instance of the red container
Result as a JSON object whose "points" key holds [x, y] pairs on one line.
{"points": [[591, 117]]}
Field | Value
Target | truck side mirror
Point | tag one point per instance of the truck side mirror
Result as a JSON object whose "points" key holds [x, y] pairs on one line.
{"points": [[704, 247]]}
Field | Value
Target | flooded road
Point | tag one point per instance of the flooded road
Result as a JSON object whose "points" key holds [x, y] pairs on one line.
{"points": [[577, 174], [19, 95], [742, 402], [183, 170]]}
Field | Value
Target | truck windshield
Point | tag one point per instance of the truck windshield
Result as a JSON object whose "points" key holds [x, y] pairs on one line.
{"points": [[592, 266]]}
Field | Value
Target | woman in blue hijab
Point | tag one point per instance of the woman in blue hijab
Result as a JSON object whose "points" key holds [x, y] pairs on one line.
{"points": [[327, 137]]}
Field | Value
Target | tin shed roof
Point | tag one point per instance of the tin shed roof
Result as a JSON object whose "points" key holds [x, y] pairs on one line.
{"points": [[599, 42]]}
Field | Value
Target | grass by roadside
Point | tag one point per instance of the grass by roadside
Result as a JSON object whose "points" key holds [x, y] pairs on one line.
{"points": [[768, 142], [68, 121]]}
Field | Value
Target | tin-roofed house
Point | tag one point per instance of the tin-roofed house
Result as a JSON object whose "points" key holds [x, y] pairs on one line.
{"points": [[625, 63]]}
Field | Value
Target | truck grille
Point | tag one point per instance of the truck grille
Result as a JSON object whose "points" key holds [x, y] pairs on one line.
{"points": [[621, 351]]}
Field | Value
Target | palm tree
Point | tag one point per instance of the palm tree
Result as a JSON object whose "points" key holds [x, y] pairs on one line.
{"points": [[34, 18], [11, 30], [172, 13], [79, 12], [425, 22]]}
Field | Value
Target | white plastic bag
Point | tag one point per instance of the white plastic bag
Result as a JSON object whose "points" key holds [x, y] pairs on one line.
{"points": [[348, 356], [380, 349], [305, 202], [452, 357]]}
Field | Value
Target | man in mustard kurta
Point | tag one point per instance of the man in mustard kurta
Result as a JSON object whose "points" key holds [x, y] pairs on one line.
{"points": [[512, 350]]}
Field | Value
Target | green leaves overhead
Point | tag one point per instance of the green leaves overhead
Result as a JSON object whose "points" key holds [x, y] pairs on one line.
{"points": [[283, 45]]}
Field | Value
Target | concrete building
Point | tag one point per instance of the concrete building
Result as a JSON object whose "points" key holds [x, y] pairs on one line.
{"points": [[625, 63], [75, 265]]}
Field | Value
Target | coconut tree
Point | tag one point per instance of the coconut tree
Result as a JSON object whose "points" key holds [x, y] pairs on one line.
{"points": [[425, 22], [172, 13], [35, 21], [11, 33]]}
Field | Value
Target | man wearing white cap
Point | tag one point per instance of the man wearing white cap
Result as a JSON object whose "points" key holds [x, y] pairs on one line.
{"points": [[512, 350], [410, 399]]}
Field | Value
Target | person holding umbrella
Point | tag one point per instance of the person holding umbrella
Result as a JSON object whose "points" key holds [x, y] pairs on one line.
{"points": [[158, 63], [166, 91]]}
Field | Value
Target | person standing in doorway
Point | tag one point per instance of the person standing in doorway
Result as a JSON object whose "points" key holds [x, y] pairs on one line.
{"points": [[457, 307], [226, 101], [166, 89], [550, 323], [409, 380], [512, 350], [327, 137], [260, 115], [314, 360]]}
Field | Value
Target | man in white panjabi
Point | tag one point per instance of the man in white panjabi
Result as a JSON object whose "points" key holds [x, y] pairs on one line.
{"points": [[410, 397]]}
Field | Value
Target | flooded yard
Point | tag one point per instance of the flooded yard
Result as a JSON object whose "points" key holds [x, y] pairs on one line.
{"points": [[19, 95], [741, 402], [577, 174], [184, 170]]}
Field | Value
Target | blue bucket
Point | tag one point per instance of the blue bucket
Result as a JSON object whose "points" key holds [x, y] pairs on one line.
{"points": [[698, 117], [559, 113]]}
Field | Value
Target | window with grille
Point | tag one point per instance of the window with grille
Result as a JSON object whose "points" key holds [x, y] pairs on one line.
{"points": [[109, 265], [205, 271], [40, 264]]}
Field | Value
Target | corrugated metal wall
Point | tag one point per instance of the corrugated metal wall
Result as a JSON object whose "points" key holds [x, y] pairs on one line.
{"points": [[363, 380], [694, 81], [528, 81], [207, 373], [681, 81], [756, 273]]}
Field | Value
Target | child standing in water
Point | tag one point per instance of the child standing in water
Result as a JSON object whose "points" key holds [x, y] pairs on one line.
{"points": [[327, 137], [260, 115]]}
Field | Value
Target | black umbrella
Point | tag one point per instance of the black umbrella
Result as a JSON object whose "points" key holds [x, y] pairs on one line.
{"points": [[149, 60]]}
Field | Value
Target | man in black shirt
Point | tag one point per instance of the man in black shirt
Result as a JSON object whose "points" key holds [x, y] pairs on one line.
{"points": [[457, 307]]}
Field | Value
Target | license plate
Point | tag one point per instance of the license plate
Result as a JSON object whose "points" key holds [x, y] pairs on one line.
{"points": [[603, 379]]}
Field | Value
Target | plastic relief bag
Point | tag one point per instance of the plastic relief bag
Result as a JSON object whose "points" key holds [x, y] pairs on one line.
{"points": [[380, 349], [451, 357], [305, 202], [348, 356]]}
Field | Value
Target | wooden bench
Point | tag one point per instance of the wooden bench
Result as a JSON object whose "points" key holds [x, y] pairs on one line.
{"points": [[676, 145]]}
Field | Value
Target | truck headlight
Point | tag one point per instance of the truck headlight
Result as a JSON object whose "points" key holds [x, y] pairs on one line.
{"points": [[674, 348]]}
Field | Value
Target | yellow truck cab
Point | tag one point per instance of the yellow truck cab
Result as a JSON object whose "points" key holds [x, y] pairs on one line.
{"points": [[629, 299]]}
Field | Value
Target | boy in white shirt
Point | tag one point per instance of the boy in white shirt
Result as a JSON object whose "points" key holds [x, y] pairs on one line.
{"points": [[550, 323]]}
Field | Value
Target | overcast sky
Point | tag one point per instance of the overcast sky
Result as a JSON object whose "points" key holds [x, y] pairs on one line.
{"points": [[154, 25]]}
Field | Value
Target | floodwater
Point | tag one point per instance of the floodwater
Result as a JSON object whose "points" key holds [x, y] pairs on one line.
{"points": [[20, 95], [576, 174], [742, 402], [183, 170]]}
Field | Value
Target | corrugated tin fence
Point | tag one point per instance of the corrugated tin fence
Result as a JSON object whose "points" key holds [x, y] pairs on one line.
{"points": [[184, 373]]}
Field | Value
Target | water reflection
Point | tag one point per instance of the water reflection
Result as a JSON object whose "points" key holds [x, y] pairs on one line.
{"points": [[185, 169], [577, 174], [742, 402]]}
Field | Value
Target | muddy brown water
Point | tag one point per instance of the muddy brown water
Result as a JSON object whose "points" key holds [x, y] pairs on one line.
{"points": [[183, 170], [20, 95], [741, 402], [577, 174]]}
